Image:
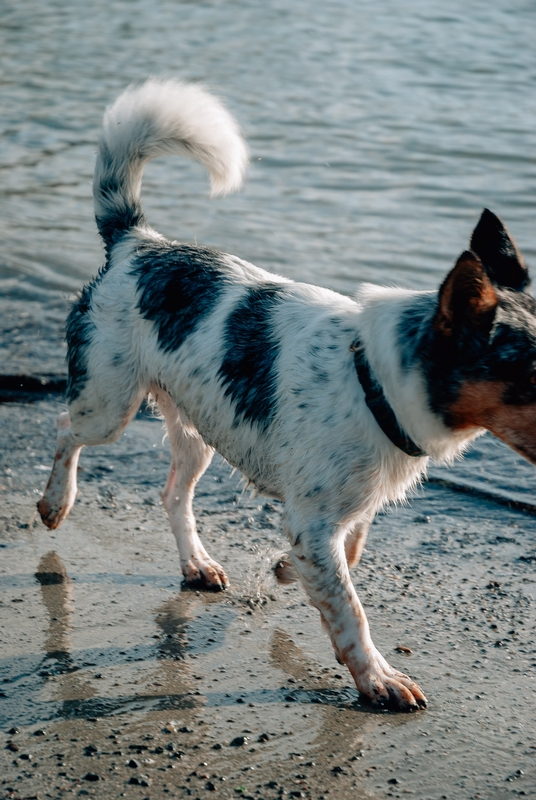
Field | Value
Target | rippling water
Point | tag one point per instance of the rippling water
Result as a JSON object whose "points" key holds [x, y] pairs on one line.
{"points": [[377, 133]]}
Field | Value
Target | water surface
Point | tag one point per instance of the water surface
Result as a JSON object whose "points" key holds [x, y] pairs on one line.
{"points": [[377, 134]]}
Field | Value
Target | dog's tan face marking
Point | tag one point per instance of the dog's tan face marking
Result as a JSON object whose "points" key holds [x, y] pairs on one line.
{"points": [[481, 404]]}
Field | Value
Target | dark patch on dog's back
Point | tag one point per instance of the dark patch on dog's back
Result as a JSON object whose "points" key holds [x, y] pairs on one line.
{"points": [[179, 286], [248, 369], [79, 329]]}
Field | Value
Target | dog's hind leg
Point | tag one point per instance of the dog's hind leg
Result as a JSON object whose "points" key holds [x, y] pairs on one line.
{"points": [[92, 419], [60, 492], [319, 559], [190, 458]]}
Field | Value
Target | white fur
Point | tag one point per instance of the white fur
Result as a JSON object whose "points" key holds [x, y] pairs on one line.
{"points": [[323, 455], [164, 117]]}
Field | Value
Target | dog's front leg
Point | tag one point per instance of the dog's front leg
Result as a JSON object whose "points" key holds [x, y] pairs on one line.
{"points": [[319, 558]]}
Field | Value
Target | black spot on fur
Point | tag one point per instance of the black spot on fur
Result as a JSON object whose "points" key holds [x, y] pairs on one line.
{"points": [[248, 369], [79, 330], [512, 352], [498, 253], [413, 325], [179, 285]]}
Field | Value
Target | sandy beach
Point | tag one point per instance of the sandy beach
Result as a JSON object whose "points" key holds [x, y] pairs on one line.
{"points": [[118, 682]]}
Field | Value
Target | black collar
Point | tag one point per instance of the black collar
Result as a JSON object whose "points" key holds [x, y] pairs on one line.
{"points": [[377, 403]]}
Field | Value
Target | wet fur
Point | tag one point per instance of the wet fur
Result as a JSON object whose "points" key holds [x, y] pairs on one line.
{"points": [[261, 369]]}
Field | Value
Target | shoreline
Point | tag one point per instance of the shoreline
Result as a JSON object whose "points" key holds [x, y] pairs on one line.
{"points": [[113, 654]]}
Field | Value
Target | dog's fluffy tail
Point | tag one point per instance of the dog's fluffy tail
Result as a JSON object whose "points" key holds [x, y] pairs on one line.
{"points": [[161, 117]]}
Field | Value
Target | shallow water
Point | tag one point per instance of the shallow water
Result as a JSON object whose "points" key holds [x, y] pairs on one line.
{"points": [[376, 136]]}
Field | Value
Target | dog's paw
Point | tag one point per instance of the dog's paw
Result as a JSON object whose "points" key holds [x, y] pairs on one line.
{"points": [[204, 574], [51, 513], [387, 687], [285, 572]]}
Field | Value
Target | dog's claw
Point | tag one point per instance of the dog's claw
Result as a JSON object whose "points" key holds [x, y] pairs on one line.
{"points": [[52, 517], [391, 689], [206, 575]]}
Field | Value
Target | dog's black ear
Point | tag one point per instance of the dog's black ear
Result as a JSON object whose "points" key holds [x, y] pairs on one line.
{"points": [[494, 246], [467, 298]]}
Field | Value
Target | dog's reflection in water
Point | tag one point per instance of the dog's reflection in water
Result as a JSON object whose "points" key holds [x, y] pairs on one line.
{"points": [[57, 594]]}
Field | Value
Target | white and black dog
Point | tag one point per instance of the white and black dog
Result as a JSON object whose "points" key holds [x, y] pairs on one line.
{"points": [[331, 404]]}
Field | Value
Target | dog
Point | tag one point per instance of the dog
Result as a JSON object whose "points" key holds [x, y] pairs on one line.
{"points": [[333, 405]]}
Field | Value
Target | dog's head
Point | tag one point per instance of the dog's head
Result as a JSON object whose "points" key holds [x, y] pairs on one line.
{"points": [[481, 354]]}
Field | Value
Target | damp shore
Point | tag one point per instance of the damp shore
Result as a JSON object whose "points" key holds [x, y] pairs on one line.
{"points": [[116, 681]]}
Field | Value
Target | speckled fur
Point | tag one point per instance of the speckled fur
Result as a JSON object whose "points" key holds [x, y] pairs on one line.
{"points": [[259, 368]]}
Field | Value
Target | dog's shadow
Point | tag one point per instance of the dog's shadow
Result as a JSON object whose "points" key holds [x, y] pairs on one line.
{"points": [[285, 654]]}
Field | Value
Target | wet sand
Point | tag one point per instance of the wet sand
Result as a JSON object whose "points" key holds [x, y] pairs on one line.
{"points": [[117, 682]]}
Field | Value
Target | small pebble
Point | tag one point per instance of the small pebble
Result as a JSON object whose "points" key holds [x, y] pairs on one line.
{"points": [[140, 780], [170, 728], [239, 741]]}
